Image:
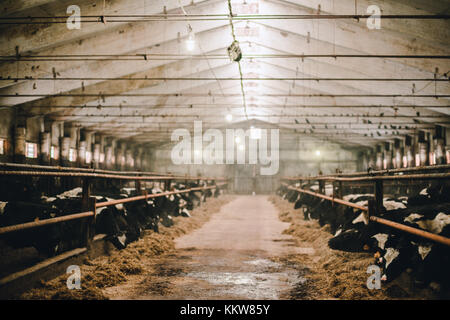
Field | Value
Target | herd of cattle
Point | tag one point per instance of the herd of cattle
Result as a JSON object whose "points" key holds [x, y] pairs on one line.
{"points": [[394, 251], [122, 223]]}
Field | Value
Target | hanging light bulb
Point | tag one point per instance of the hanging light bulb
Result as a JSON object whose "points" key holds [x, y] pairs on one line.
{"points": [[229, 117], [190, 41]]}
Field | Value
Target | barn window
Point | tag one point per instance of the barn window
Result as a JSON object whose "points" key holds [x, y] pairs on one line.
{"points": [[72, 155], [432, 158], [405, 162], [31, 150], [54, 153], [88, 157], [2, 146]]}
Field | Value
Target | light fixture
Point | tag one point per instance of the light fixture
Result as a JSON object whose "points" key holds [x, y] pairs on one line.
{"points": [[229, 117], [190, 41], [234, 51], [318, 153], [238, 140]]}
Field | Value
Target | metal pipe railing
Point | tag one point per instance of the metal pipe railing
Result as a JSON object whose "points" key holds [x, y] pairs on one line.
{"points": [[149, 196], [40, 223], [75, 169], [415, 231], [431, 176], [36, 224], [376, 172], [332, 199], [392, 224], [101, 176]]}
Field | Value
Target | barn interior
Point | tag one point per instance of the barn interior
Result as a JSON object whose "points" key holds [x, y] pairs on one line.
{"points": [[225, 149]]}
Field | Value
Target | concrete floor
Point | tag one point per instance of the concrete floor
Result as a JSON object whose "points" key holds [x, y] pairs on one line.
{"points": [[229, 257]]}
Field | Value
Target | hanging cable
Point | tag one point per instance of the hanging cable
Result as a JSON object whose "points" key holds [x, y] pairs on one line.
{"points": [[239, 63]]}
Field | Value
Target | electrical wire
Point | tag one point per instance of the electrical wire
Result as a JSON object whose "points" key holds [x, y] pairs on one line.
{"points": [[230, 9]]}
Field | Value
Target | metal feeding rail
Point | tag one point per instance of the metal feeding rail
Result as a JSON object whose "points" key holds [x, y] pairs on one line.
{"points": [[76, 216], [98, 171], [100, 175], [72, 169], [89, 203], [443, 167], [374, 206]]}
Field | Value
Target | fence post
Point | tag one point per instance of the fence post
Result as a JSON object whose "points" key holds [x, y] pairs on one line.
{"points": [[138, 187], [167, 184], [378, 195], [337, 193], [88, 204], [322, 186], [90, 230], [372, 208]]}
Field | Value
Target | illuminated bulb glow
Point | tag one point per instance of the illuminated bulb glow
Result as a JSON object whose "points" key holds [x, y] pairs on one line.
{"points": [[317, 152], [237, 139], [190, 42], [229, 117], [241, 147]]}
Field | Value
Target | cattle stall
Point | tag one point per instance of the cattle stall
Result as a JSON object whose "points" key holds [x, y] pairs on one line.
{"points": [[86, 233]]}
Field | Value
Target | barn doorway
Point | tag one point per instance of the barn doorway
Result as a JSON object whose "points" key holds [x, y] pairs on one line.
{"points": [[248, 180]]}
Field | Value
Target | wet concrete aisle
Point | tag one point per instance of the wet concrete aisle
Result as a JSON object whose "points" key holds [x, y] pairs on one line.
{"points": [[232, 256]]}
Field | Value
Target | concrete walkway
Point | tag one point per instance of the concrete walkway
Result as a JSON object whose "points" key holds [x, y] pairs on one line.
{"points": [[229, 257]]}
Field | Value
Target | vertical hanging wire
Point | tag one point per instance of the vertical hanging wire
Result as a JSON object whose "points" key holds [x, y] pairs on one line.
{"points": [[230, 9]]}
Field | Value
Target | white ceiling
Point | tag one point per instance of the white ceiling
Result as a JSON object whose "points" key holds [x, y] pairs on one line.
{"points": [[283, 90]]}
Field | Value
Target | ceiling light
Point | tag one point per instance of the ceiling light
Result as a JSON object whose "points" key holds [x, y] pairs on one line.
{"points": [[238, 140], [190, 41], [318, 153], [234, 51], [229, 117]]}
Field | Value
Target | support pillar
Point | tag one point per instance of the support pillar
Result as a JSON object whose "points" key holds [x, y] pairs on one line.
{"points": [[19, 144]]}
